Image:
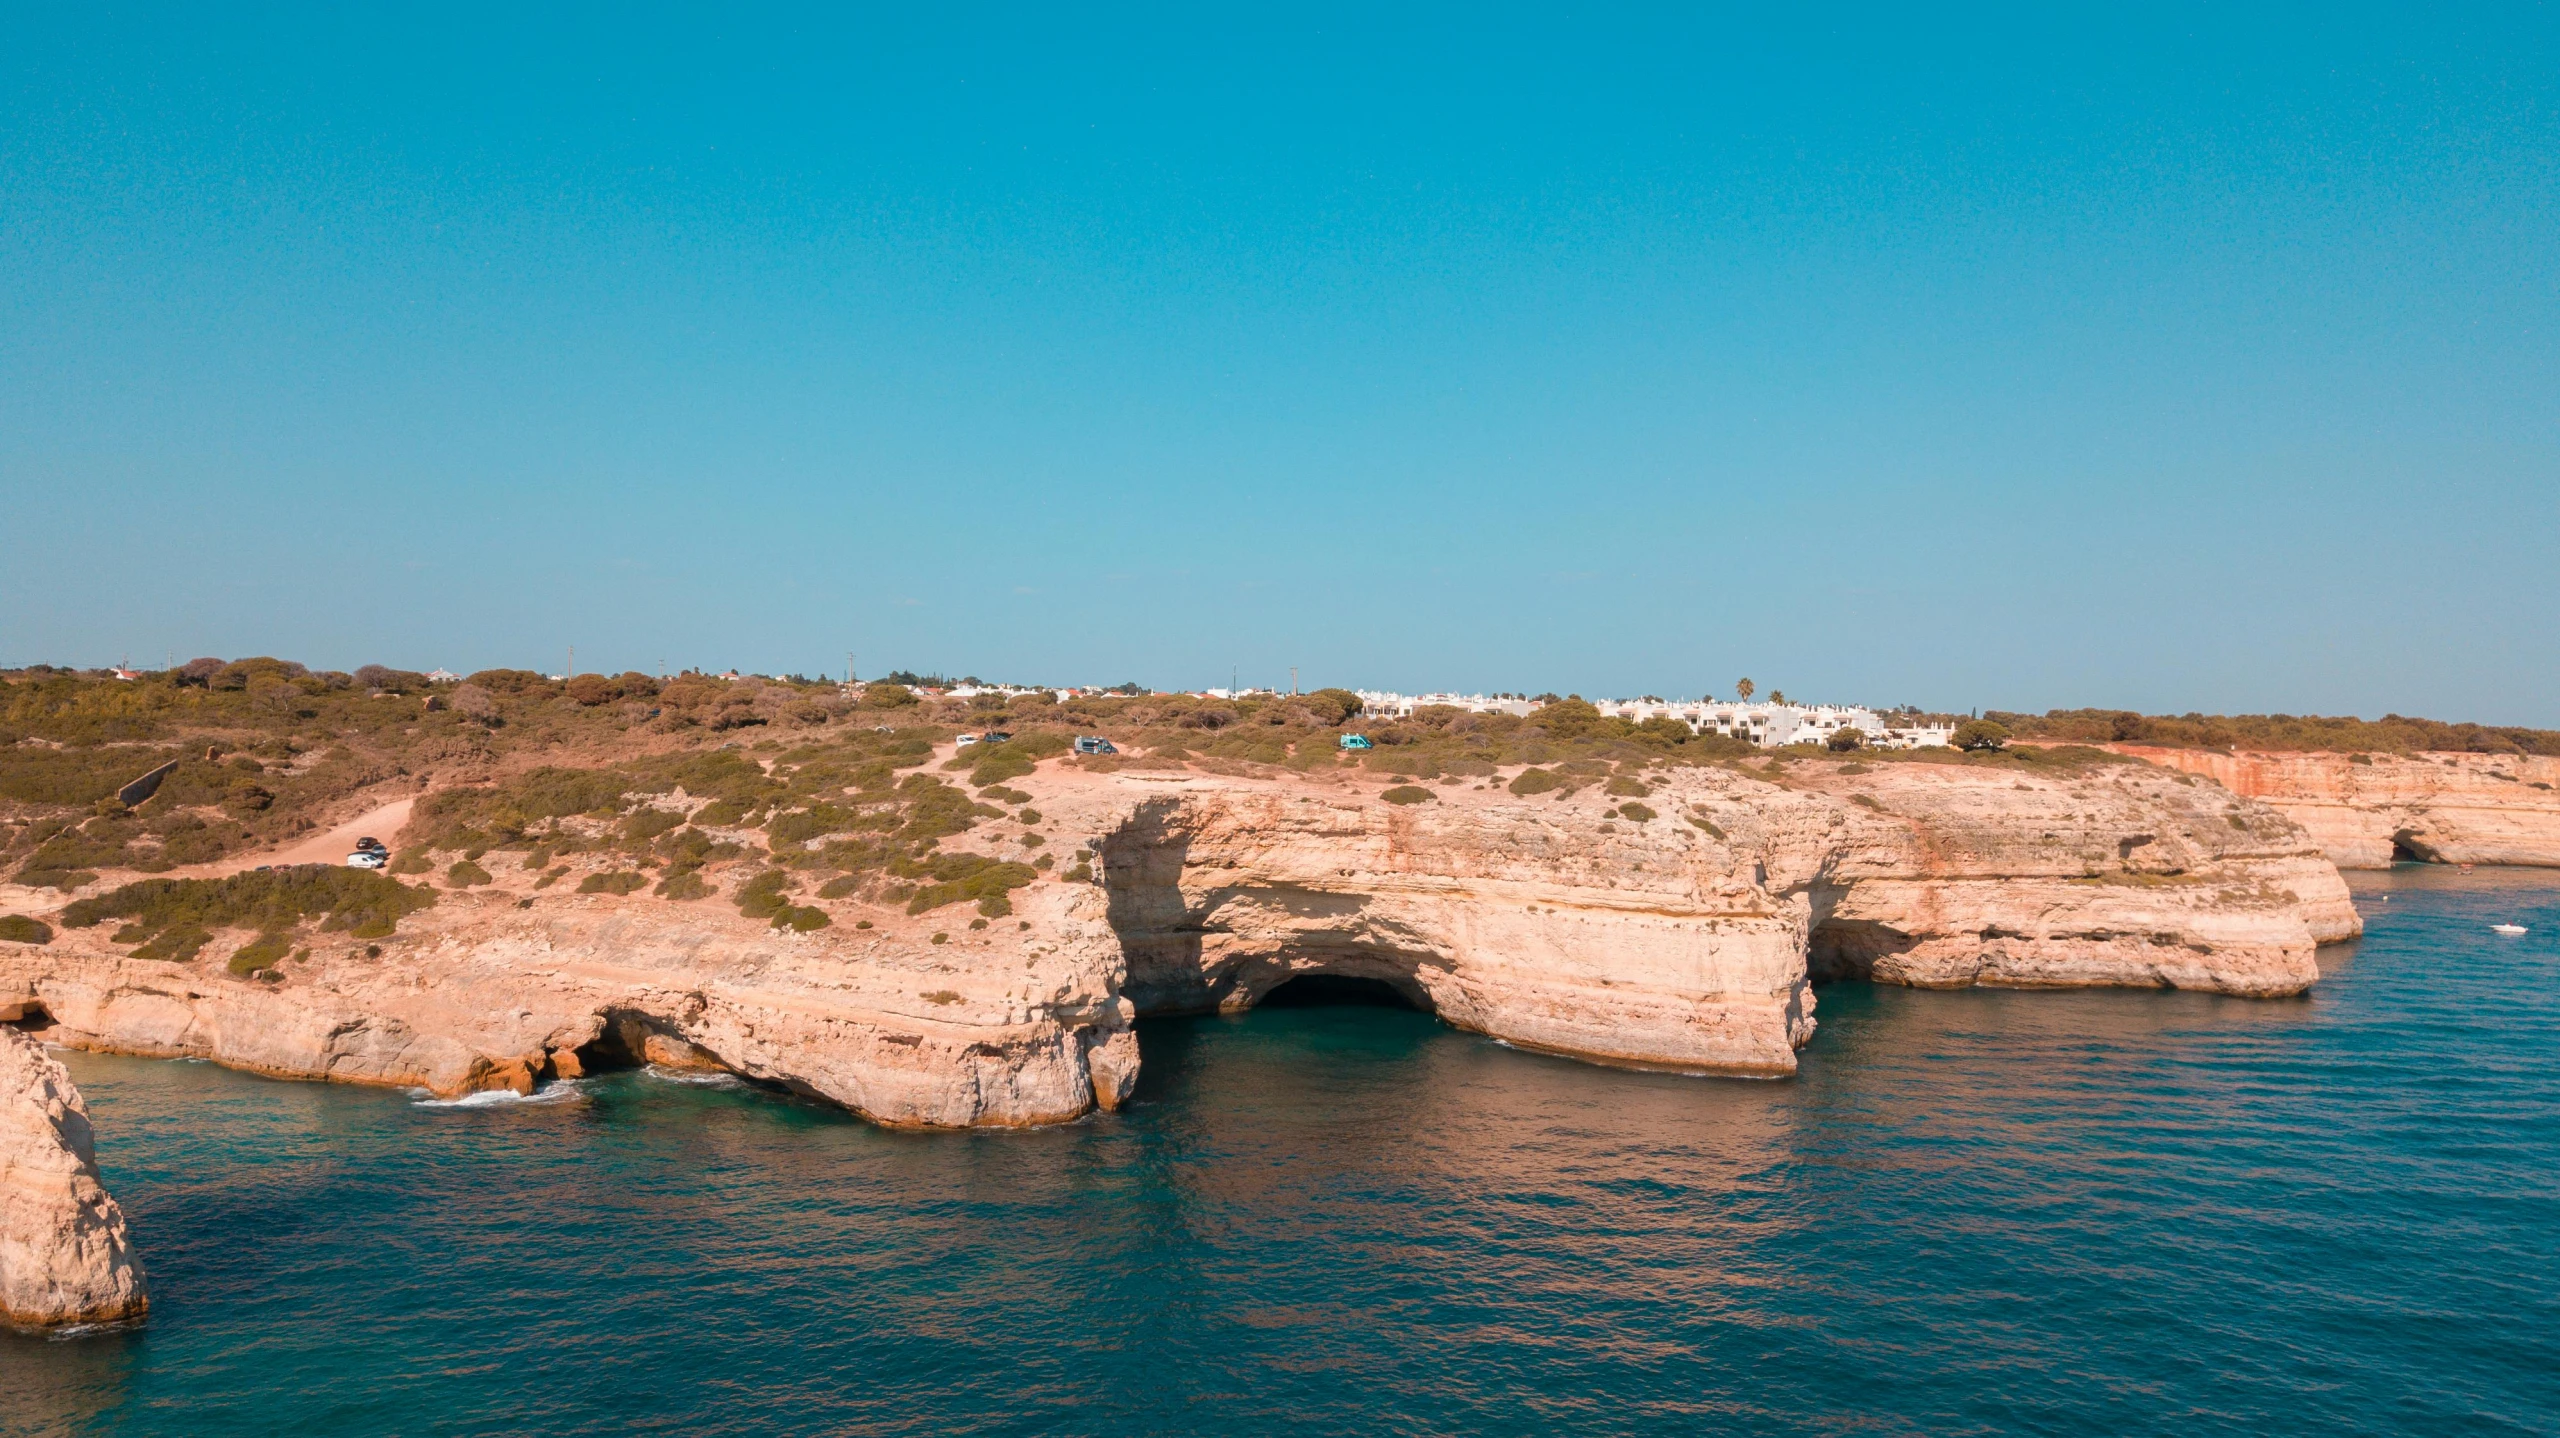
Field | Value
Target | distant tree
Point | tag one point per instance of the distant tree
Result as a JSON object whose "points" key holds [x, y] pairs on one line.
{"points": [[590, 690], [1569, 718], [1777, 696], [882, 695], [1847, 738], [475, 701], [1981, 735], [1330, 706], [1743, 690], [198, 671]]}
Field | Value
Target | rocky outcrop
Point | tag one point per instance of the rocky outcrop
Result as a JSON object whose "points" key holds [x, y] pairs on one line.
{"points": [[2367, 811], [1683, 926], [64, 1255]]}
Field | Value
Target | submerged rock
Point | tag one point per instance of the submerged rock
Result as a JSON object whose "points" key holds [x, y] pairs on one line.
{"points": [[64, 1255]]}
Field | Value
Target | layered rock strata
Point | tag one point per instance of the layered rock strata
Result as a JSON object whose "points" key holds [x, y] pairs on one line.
{"points": [[65, 1257], [1682, 928], [2366, 811]]}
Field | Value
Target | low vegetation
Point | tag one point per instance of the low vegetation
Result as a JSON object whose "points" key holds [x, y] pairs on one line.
{"points": [[175, 918], [2390, 734]]}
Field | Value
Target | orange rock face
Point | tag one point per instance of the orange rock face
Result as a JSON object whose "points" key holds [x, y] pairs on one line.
{"points": [[1681, 927], [2366, 810]]}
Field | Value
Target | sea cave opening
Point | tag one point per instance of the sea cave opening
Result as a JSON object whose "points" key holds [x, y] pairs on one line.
{"points": [[1330, 991], [2408, 848]]}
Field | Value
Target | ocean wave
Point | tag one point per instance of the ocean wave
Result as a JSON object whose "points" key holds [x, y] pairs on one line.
{"points": [[559, 1091]]}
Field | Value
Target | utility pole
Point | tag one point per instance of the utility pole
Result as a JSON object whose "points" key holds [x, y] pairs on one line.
{"points": [[1293, 681], [848, 666], [573, 661]]}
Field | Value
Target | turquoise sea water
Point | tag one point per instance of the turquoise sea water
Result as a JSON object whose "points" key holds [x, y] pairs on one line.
{"points": [[1971, 1213]]}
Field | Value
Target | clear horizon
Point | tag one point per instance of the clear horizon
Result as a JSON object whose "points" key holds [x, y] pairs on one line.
{"points": [[2173, 361]]}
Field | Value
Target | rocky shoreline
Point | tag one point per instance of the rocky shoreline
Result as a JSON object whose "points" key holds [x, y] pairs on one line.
{"points": [[1685, 929]]}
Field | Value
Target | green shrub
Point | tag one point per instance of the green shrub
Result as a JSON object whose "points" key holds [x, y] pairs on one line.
{"points": [[1845, 740], [413, 862], [1707, 824], [1981, 735], [621, 881], [839, 886], [955, 998], [762, 896], [684, 884], [464, 875], [24, 929], [169, 915], [800, 920], [997, 763], [555, 876], [1623, 787], [1407, 794], [960, 877], [1535, 781], [1029, 816], [887, 696], [1002, 795], [263, 952], [66, 880], [1637, 812]]}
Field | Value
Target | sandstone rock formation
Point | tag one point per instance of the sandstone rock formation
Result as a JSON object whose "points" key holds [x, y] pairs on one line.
{"points": [[64, 1254], [1682, 927], [2365, 811]]}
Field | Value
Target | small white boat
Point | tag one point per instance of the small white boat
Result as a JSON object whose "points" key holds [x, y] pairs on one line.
{"points": [[2506, 928]]}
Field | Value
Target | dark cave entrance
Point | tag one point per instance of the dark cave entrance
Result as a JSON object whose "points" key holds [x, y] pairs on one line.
{"points": [[1334, 991], [2408, 848]]}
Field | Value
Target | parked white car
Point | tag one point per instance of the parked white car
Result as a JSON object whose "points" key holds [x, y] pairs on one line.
{"points": [[367, 859]]}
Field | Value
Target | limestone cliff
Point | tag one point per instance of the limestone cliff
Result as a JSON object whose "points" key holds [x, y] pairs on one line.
{"points": [[2366, 810], [1678, 921], [64, 1254]]}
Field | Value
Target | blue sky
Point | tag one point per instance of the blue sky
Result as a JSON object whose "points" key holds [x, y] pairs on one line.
{"points": [[2166, 359]]}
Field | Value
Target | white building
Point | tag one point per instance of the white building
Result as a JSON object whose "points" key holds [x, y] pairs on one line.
{"points": [[1773, 725], [1386, 704]]}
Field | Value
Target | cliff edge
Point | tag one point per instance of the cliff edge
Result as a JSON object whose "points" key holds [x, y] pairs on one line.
{"points": [[1667, 915]]}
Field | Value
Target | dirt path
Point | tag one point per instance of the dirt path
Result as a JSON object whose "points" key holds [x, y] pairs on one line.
{"points": [[327, 847]]}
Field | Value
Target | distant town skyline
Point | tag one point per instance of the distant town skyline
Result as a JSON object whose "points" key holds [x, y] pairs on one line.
{"points": [[2186, 360]]}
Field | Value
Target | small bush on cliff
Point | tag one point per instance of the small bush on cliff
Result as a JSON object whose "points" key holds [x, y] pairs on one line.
{"points": [[263, 952], [800, 919], [684, 884], [761, 897], [624, 881], [969, 876], [1407, 794], [21, 929], [464, 875], [1536, 781]]}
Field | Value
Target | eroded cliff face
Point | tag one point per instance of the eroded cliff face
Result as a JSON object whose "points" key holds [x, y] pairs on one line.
{"points": [[1685, 931], [2365, 811], [65, 1257]]}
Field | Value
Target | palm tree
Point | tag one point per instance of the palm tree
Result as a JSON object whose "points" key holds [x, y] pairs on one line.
{"points": [[1777, 696], [1742, 688]]}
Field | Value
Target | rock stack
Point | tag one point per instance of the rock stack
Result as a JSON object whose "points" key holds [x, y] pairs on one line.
{"points": [[64, 1255]]}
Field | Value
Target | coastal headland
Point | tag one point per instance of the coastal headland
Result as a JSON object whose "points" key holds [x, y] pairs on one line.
{"points": [[826, 890]]}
